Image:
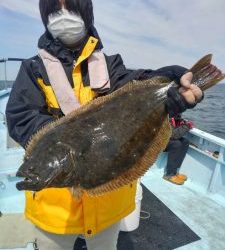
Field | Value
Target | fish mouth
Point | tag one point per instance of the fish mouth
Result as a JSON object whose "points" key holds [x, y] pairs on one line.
{"points": [[30, 182]]}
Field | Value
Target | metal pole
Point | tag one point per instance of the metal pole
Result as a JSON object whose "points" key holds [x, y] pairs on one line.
{"points": [[5, 85]]}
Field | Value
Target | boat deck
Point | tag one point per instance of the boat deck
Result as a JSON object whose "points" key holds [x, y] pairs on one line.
{"points": [[198, 210]]}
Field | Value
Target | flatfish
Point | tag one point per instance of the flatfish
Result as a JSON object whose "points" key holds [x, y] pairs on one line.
{"points": [[111, 141]]}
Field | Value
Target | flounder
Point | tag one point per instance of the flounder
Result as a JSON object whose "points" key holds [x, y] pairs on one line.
{"points": [[109, 142]]}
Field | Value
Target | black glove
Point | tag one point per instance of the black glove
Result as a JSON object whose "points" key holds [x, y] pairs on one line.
{"points": [[176, 103]]}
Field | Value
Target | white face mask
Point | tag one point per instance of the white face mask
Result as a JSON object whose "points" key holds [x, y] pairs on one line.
{"points": [[68, 27]]}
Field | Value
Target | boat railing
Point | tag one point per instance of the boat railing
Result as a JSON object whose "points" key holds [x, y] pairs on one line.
{"points": [[209, 137], [211, 152], [207, 144], [204, 163], [5, 78], [4, 91]]}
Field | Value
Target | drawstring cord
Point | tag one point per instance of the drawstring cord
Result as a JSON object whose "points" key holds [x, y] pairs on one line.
{"points": [[145, 215]]}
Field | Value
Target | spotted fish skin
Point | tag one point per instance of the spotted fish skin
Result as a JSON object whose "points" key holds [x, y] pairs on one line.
{"points": [[91, 148], [109, 142]]}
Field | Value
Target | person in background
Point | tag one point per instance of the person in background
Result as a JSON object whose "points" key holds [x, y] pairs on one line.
{"points": [[177, 149], [69, 71]]}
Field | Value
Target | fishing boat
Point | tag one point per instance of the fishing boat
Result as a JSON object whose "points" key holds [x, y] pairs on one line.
{"points": [[187, 217]]}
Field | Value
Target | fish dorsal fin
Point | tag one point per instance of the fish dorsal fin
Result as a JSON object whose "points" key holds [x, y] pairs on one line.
{"points": [[156, 80]]}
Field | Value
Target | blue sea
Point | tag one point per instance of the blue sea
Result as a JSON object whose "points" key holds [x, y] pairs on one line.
{"points": [[209, 115]]}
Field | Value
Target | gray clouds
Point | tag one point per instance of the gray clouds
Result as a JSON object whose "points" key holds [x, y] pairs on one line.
{"points": [[150, 33]]}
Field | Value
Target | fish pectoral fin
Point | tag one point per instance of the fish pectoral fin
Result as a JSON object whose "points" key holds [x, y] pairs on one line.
{"points": [[71, 151]]}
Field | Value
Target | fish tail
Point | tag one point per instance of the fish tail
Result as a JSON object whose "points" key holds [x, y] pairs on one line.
{"points": [[205, 74]]}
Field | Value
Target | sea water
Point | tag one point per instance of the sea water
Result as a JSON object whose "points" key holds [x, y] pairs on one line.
{"points": [[209, 115]]}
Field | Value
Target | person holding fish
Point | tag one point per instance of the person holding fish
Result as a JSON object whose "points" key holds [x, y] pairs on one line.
{"points": [[70, 71]]}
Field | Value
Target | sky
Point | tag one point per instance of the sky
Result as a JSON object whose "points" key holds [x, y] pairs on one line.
{"points": [[147, 33]]}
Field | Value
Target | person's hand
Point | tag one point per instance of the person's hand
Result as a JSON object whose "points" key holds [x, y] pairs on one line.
{"points": [[186, 97], [191, 93], [190, 124]]}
